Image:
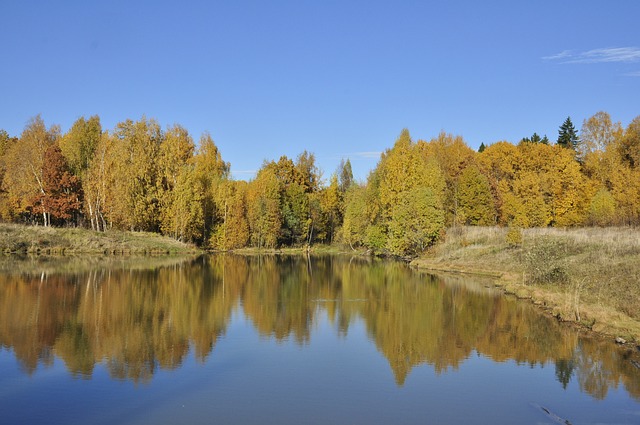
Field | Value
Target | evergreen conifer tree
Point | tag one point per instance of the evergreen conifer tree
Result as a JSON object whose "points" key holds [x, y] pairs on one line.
{"points": [[482, 147], [567, 135]]}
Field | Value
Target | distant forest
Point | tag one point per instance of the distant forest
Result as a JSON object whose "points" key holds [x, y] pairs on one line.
{"points": [[143, 178]]}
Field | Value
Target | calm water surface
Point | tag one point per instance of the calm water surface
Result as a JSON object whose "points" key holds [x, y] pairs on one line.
{"points": [[290, 340]]}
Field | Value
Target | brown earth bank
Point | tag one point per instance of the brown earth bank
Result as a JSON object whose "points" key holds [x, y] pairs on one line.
{"points": [[584, 276]]}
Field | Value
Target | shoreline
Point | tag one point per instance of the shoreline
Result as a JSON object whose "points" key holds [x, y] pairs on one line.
{"points": [[594, 278], [624, 333], [18, 239], [593, 298]]}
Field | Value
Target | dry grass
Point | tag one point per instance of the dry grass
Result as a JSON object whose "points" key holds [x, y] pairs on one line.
{"points": [[588, 275], [19, 239]]}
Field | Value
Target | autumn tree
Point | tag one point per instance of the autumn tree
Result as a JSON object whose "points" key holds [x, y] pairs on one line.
{"points": [[6, 142], [100, 183], [566, 188], [602, 209], [233, 231], [211, 171], [136, 162], [452, 155], [61, 196], [307, 172], [331, 204], [263, 209], [597, 133], [629, 146], [535, 184], [78, 145], [175, 171], [475, 201], [345, 175], [183, 214], [402, 171], [355, 222], [23, 181]]}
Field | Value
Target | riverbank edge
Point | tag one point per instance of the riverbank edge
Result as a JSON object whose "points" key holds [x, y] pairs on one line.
{"points": [[598, 321], [46, 241], [16, 239], [602, 322]]}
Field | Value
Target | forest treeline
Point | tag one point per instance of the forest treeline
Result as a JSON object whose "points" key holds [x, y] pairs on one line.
{"points": [[139, 176]]}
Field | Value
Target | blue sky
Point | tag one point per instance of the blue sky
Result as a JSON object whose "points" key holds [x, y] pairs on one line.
{"points": [[337, 78]]}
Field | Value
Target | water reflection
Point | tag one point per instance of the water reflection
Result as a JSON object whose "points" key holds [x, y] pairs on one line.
{"points": [[138, 320]]}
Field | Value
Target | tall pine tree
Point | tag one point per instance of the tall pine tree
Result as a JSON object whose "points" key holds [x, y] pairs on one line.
{"points": [[567, 135]]}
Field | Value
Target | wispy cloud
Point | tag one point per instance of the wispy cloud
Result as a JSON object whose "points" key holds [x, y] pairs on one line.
{"points": [[366, 155], [632, 74], [562, 55], [244, 172], [606, 55]]}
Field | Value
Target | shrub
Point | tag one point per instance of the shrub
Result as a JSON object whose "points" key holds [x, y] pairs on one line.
{"points": [[544, 261], [514, 237]]}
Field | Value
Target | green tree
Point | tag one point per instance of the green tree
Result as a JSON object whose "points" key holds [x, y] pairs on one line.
{"points": [[416, 222], [568, 136], [294, 200], [535, 138], [295, 214]]}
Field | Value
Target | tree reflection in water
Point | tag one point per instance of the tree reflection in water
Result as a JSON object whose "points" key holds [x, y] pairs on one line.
{"points": [[135, 320]]}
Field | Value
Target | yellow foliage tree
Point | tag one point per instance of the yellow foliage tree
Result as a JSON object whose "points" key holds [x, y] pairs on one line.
{"points": [[263, 209], [24, 180]]}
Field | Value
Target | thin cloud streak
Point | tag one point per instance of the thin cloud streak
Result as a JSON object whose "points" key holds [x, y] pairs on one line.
{"points": [[632, 74], [606, 55], [247, 172], [366, 155], [358, 155], [561, 55]]}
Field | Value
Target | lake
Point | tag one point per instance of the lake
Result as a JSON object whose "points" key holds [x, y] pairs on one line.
{"points": [[231, 339]]}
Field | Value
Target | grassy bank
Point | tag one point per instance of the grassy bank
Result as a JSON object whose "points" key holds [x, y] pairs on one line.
{"points": [[19, 239], [590, 276]]}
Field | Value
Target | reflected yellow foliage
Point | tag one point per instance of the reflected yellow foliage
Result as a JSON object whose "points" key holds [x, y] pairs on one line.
{"points": [[138, 321]]}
